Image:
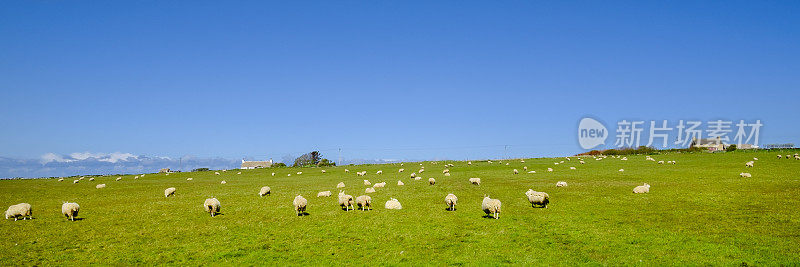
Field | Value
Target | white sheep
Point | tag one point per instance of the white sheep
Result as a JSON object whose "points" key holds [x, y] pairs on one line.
{"points": [[749, 164], [572, 168], [299, 173], [189, 179], [60, 179], [264, 191], [323, 171], [642, 189], [447, 174], [451, 201], [532, 172], [223, 182], [622, 170], [379, 172], [364, 202], [212, 206], [379, 185], [475, 181], [100, 186], [135, 178], [417, 178], [400, 182], [91, 179], [239, 173], [516, 171], [367, 183], [421, 170], [345, 201], [660, 162], [393, 204], [118, 178], [346, 170], [755, 158], [369, 190], [491, 207], [273, 174], [469, 163], [324, 194], [300, 204], [431, 181], [340, 185], [76, 181], [413, 174], [23, 210], [169, 192], [216, 173], [70, 210], [561, 184], [550, 169], [779, 156], [745, 175], [445, 171], [401, 170], [540, 199]]}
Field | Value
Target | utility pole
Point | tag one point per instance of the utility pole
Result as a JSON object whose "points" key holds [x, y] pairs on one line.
{"points": [[506, 151], [340, 158]]}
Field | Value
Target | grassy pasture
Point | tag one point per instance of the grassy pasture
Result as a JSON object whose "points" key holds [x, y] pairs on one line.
{"points": [[698, 211]]}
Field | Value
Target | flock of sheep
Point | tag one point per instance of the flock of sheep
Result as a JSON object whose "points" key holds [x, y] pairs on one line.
{"points": [[492, 207]]}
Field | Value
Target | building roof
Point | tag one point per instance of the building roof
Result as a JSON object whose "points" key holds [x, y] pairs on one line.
{"points": [[253, 164]]}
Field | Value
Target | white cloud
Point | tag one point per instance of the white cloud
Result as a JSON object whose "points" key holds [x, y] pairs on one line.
{"points": [[117, 156], [51, 157]]}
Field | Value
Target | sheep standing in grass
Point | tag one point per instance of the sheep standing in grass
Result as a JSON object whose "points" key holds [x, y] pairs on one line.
{"points": [[475, 181], [749, 164], [60, 179], [572, 168], [550, 169], [779, 156], [324, 194], [491, 207], [118, 178], [91, 179], [340, 185], [447, 174], [417, 178], [70, 210], [346, 170], [300, 204], [189, 179], [540, 199], [413, 175], [367, 183], [369, 190], [273, 174], [323, 171], [379, 172], [345, 200], [745, 175], [299, 173], [264, 191], [393, 204], [216, 173], [431, 181], [364, 202], [451, 201], [642, 189], [379, 185], [169, 192], [622, 170], [561, 184], [400, 182], [76, 181], [212, 206], [23, 210], [401, 170], [100, 186], [223, 182]]}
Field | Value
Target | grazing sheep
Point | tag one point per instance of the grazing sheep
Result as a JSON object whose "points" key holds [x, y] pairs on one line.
{"points": [[660, 162], [445, 171], [100, 186], [379, 172], [469, 163], [540, 199], [550, 169], [516, 171], [491, 207], [364, 202], [340, 185], [745, 175], [779, 156], [622, 170], [401, 170], [367, 183], [169, 192], [400, 182], [346, 170], [532, 172], [212, 206], [561, 184], [216, 173], [189, 179], [118, 178], [431, 181], [324, 194], [421, 170], [447, 174], [76, 181], [393, 204], [239, 173], [323, 171], [582, 162], [642, 189], [749, 164], [489, 161], [360, 173], [413, 174], [369, 190], [91, 179], [379, 185], [70, 210], [475, 181], [223, 182], [625, 158], [345, 201], [273, 174], [300, 204], [264, 191], [417, 178], [19, 210], [451, 201], [60, 179], [755, 158], [299, 173], [572, 168]]}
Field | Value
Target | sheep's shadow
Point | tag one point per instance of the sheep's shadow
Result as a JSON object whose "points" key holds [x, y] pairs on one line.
{"points": [[448, 209], [75, 219], [304, 214], [487, 216], [217, 214]]}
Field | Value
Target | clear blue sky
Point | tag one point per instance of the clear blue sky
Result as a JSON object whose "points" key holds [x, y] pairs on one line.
{"points": [[382, 80]]}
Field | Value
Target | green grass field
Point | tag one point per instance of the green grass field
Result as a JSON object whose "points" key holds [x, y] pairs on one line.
{"points": [[698, 211]]}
